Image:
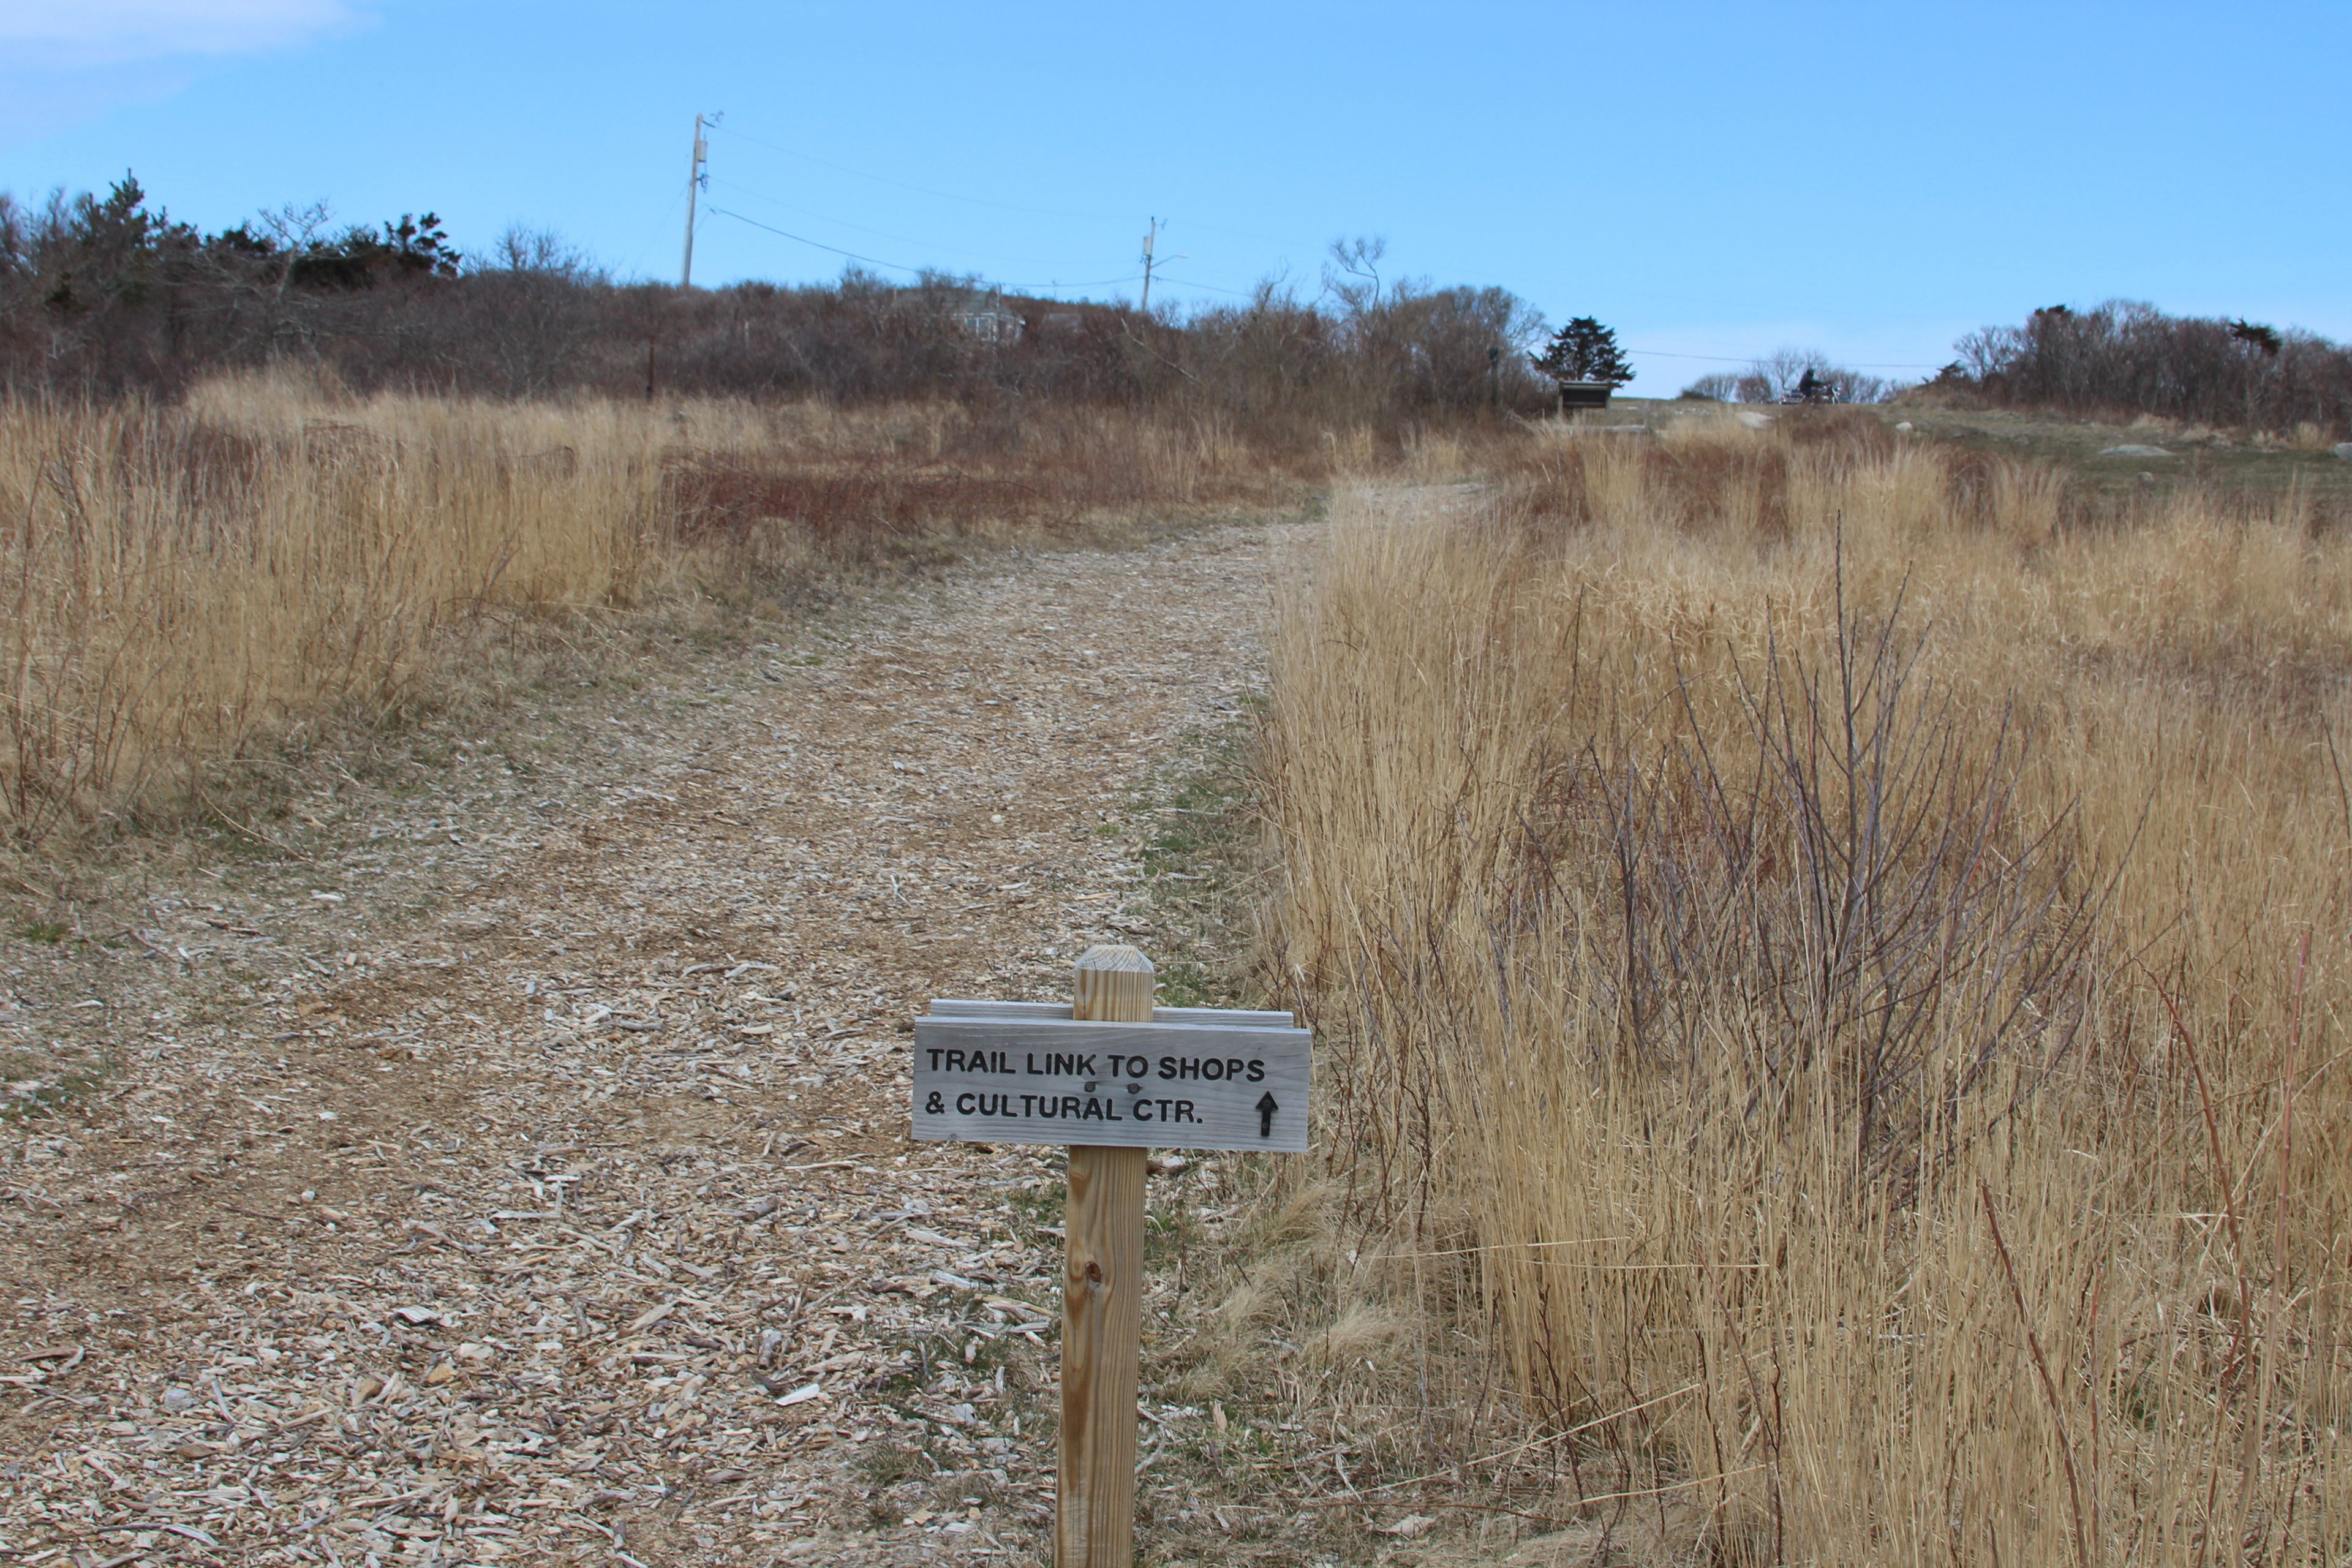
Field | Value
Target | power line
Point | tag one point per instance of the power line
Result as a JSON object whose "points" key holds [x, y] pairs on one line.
{"points": [[1751, 359], [1211, 288], [900, 266], [1149, 271], [1181, 282], [924, 190], [637, 261], [878, 234], [979, 200]]}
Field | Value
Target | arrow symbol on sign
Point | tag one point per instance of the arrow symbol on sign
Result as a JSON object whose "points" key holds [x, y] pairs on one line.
{"points": [[1267, 1107]]}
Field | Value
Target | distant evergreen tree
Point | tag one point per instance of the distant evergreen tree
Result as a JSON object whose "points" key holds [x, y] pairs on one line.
{"points": [[2255, 335], [412, 248], [1584, 349]]}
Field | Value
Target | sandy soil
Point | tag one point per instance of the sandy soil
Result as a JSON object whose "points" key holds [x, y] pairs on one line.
{"points": [[526, 1178]]}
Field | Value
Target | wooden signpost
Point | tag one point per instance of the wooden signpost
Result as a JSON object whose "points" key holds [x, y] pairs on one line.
{"points": [[1108, 1076]]}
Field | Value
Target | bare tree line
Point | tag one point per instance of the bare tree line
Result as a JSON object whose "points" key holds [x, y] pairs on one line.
{"points": [[2124, 357], [2119, 359], [103, 295], [1793, 375]]}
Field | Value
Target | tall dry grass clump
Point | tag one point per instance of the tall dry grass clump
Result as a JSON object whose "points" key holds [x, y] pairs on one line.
{"points": [[1840, 975], [184, 581]]}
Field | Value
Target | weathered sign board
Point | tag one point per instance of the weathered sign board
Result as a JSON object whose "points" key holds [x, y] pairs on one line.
{"points": [[1194, 1078], [1109, 1075]]}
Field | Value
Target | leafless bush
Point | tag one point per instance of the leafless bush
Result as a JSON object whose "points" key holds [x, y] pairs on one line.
{"points": [[1717, 386], [105, 296], [2126, 358], [1843, 869], [529, 309], [1807, 375], [1714, 971]]}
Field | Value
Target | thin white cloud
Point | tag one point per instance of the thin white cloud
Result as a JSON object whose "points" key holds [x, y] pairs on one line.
{"points": [[80, 33]]}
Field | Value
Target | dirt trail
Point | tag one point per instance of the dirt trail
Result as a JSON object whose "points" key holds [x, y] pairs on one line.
{"points": [[530, 1182]]}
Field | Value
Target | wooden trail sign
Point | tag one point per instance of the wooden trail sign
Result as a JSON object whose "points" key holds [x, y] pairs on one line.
{"points": [[1108, 1076], [1189, 1078]]}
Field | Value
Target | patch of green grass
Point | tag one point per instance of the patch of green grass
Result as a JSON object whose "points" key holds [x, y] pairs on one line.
{"points": [[231, 845], [50, 931], [902, 1381], [2227, 464], [1168, 1233], [1043, 1205], [1199, 853], [891, 1461], [30, 1086], [2143, 1401], [1184, 983], [969, 1489]]}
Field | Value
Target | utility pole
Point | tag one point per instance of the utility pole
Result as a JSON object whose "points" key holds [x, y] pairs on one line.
{"points": [[696, 173], [1150, 243]]}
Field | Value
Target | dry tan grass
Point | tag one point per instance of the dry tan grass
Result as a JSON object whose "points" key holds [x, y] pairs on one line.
{"points": [[181, 581], [186, 583], [1848, 965]]}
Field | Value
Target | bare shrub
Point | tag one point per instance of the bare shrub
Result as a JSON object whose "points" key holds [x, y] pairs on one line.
{"points": [[1807, 375], [106, 296], [2124, 358], [1730, 1043], [1845, 870], [531, 310]]}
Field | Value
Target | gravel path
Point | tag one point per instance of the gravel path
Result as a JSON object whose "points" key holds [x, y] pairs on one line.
{"points": [[526, 1179]]}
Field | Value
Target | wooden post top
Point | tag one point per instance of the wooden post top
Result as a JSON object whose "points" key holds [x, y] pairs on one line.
{"points": [[1113, 986]]}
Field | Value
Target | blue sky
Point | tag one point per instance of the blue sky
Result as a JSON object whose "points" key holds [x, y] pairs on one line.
{"points": [[1711, 180]]}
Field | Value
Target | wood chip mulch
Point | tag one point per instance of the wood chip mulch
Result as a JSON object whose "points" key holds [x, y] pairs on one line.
{"points": [[528, 1181]]}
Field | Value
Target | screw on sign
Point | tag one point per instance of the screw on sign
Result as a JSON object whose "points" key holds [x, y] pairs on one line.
{"points": [[1109, 1075]]}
